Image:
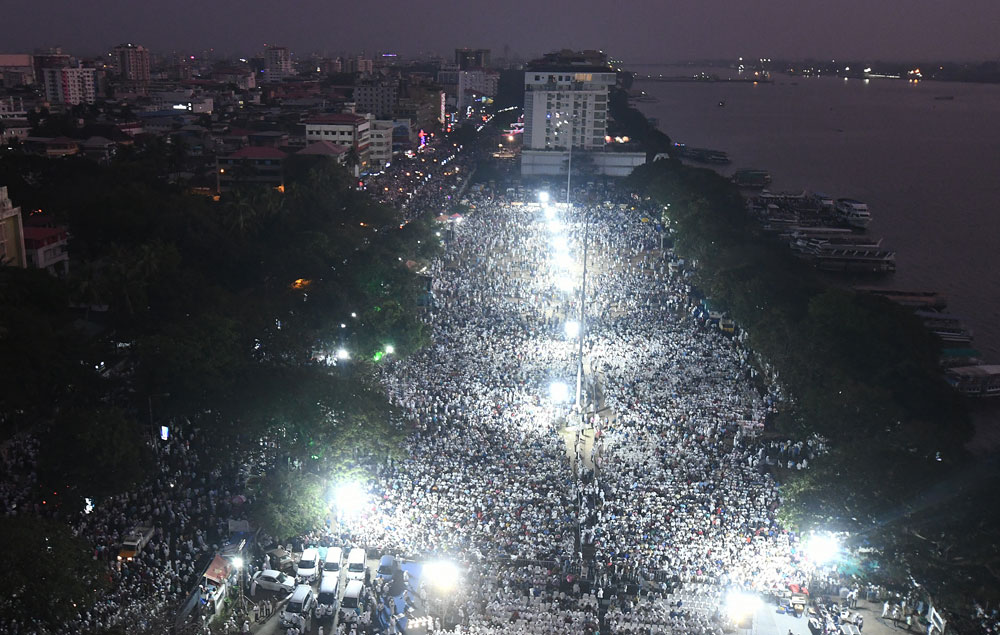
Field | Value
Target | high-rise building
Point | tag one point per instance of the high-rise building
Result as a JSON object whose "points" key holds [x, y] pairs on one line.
{"points": [[11, 232], [131, 63], [277, 64], [566, 104], [376, 97], [70, 86], [565, 111], [471, 59]]}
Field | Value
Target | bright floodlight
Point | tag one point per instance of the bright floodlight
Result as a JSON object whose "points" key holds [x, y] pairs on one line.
{"points": [[349, 497], [741, 605], [343, 354], [238, 563], [442, 574], [559, 392], [822, 548], [389, 349], [555, 226], [559, 243], [543, 197], [565, 284], [562, 260], [572, 329]]}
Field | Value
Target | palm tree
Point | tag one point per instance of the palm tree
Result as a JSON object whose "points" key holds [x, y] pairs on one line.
{"points": [[352, 159]]}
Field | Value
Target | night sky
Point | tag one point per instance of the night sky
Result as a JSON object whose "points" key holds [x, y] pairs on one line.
{"points": [[640, 31]]}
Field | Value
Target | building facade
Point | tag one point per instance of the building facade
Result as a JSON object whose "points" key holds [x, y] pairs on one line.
{"points": [[381, 143], [277, 64], [468, 59], [131, 63], [343, 129], [251, 166], [566, 105], [377, 98], [70, 86], [11, 232], [47, 248]]}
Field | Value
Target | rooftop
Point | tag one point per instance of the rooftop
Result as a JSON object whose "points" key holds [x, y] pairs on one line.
{"points": [[337, 118], [257, 152]]}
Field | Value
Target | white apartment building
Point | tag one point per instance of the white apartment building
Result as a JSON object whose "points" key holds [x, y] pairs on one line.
{"points": [[70, 86], [466, 86], [555, 95], [343, 129], [11, 232], [381, 143]]}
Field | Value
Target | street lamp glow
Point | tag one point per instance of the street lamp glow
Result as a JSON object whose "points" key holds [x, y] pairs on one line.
{"points": [[238, 563], [389, 349], [562, 260], [442, 574], [349, 498], [543, 197], [558, 392], [572, 329], [822, 548], [343, 354], [741, 605]]}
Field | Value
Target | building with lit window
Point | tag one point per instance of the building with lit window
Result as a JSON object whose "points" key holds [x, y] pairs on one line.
{"points": [[131, 63], [343, 129], [70, 86], [11, 232], [566, 106], [277, 64]]}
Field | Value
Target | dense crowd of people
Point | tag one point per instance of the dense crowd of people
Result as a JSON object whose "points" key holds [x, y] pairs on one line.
{"points": [[638, 513], [672, 503]]}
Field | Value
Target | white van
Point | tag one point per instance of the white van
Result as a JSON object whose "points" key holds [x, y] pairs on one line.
{"points": [[357, 560], [326, 601], [308, 566], [352, 597], [301, 603], [334, 556]]}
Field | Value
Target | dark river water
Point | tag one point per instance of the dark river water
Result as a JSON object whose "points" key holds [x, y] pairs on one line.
{"points": [[928, 168]]}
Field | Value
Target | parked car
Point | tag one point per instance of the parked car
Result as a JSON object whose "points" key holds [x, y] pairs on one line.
{"points": [[271, 580]]}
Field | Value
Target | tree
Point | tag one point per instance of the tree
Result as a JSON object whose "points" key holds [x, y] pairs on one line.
{"points": [[287, 503], [49, 572]]}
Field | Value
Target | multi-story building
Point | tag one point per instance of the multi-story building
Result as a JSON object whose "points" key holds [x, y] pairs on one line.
{"points": [[130, 63], [377, 98], [277, 64], [11, 232], [464, 88], [469, 59], [381, 143], [251, 166], [16, 69], [70, 86], [12, 108], [566, 107], [344, 129], [47, 248]]}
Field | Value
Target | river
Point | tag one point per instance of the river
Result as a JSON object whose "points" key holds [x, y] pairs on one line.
{"points": [[925, 156]]}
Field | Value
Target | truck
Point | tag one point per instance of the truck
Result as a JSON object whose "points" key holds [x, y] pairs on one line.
{"points": [[134, 541]]}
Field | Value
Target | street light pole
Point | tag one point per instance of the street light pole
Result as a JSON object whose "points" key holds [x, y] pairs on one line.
{"points": [[583, 318]]}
